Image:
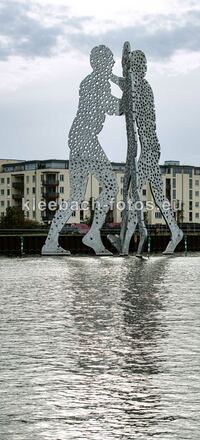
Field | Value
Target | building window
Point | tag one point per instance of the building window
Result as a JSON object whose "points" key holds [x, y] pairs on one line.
{"points": [[27, 190], [2, 192], [61, 177], [174, 183], [2, 202], [122, 179], [27, 179], [196, 204], [61, 189], [33, 190], [190, 183], [144, 192], [11, 168], [190, 194], [190, 205], [168, 189], [33, 178], [8, 180], [196, 193], [190, 216], [8, 192], [31, 166], [74, 214], [197, 182], [174, 194], [8, 203], [34, 214], [2, 180], [197, 215], [158, 215]]}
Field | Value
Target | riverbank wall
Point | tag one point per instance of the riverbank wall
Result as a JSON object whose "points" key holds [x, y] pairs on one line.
{"points": [[29, 243]]}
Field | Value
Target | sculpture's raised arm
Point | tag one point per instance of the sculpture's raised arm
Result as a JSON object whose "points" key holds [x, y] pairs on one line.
{"points": [[118, 80]]}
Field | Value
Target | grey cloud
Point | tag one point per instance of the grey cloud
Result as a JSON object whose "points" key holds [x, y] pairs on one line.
{"points": [[159, 36], [158, 39], [26, 36]]}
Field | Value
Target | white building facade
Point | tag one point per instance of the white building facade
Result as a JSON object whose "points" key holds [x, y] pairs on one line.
{"points": [[41, 187]]}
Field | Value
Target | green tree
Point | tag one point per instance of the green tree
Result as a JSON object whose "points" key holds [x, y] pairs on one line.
{"points": [[14, 218]]}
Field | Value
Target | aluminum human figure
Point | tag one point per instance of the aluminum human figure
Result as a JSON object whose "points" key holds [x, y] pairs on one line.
{"points": [[130, 181], [86, 154], [148, 163]]}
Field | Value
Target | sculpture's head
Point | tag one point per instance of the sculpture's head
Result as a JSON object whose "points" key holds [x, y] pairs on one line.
{"points": [[101, 59], [138, 63], [126, 53]]}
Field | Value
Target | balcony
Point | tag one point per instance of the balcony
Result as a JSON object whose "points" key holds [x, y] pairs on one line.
{"points": [[51, 183], [50, 195], [18, 185], [17, 197]]}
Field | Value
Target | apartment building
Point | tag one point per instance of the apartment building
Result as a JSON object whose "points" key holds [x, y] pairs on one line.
{"points": [[182, 187], [42, 186]]}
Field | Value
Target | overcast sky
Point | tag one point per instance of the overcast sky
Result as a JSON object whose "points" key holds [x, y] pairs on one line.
{"points": [[44, 55]]}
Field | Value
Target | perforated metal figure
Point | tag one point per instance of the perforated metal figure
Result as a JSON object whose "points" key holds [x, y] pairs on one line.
{"points": [[148, 163], [86, 153], [130, 181]]}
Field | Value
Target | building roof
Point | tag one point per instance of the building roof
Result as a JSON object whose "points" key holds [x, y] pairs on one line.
{"points": [[13, 165]]}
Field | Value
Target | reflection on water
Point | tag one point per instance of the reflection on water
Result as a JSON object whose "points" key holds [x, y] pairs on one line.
{"points": [[99, 348]]}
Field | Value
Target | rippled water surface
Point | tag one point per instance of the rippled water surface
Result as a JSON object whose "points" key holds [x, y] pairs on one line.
{"points": [[100, 348]]}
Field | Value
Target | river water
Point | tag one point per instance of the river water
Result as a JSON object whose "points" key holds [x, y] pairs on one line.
{"points": [[100, 348]]}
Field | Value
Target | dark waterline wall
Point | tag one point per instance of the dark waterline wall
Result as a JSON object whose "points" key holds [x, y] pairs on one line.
{"points": [[32, 243]]}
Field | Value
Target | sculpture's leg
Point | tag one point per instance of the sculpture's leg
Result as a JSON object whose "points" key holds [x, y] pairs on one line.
{"points": [[78, 188], [135, 213], [129, 223], [137, 183], [117, 240], [160, 201], [51, 246], [142, 231], [130, 229], [107, 180], [131, 216]]}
